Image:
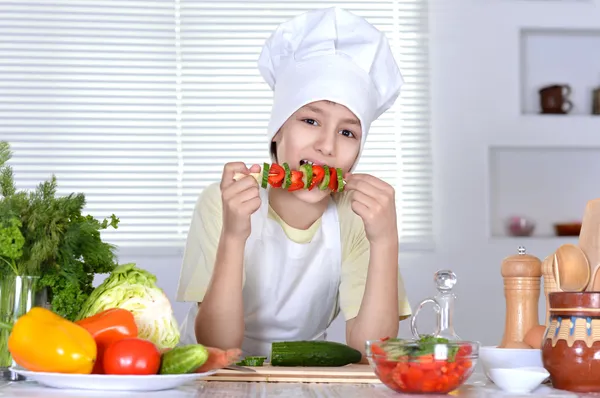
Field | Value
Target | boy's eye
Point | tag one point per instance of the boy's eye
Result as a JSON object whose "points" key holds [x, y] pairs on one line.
{"points": [[310, 121], [347, 133]]}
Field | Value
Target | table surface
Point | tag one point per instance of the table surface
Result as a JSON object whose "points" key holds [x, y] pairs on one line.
{"points": [[476, 386]]}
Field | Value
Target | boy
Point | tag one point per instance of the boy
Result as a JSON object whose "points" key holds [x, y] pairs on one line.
{"points": [[270, 265]]}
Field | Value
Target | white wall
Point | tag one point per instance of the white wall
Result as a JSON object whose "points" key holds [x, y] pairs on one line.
{"points": [[475, 60]]}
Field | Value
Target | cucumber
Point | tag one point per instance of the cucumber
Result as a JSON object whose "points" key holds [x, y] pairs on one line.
{"points": [[265, 175], [340, 180], [252, 361], [307, 174], [287, 180], [183, 359], [323, 185], [313, 353]]}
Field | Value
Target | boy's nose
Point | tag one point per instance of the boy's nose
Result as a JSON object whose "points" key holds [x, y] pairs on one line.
{"points": [[326, 143]]}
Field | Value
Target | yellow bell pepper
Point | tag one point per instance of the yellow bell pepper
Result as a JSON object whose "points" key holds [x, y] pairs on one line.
{"points": [[43, 341]]}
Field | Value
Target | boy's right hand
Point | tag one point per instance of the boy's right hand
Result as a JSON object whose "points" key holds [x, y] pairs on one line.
{"points": [[240, 199]]}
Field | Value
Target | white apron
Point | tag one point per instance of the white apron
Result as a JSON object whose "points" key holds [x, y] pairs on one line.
{"points": [[291, 289]]}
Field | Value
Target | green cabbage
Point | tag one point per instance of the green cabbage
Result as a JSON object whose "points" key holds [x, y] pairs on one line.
{"points": [[135, 289]]}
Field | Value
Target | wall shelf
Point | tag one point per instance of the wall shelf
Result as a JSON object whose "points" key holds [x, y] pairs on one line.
{"points": [[574, 131], [516, 240], [546, 184], [559, 56]]}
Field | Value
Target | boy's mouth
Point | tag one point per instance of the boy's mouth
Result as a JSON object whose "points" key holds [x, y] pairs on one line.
{"points": [[310, 162]]}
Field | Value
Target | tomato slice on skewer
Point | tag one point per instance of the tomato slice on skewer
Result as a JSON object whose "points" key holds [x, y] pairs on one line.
{"points": [[333, 181], [317, 177], [297, 182], [276, 175]]}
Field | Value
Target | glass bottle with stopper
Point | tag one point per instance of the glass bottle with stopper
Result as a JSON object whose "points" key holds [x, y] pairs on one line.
{"points": [[443, 305]]}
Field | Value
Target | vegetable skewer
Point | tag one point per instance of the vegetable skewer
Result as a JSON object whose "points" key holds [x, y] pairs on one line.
{"points": [[308, 177]]}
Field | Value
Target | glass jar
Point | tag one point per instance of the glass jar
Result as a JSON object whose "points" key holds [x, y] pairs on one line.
{"points": [[18, 294]]}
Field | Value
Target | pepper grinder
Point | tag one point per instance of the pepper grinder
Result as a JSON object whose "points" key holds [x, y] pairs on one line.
{"points": [[521, 273], [443, 304]]}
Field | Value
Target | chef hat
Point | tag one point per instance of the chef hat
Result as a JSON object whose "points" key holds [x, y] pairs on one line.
{"points": [[329, 54]]}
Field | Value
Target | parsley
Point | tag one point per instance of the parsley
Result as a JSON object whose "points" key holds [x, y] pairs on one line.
{"points": [[42, 234]]}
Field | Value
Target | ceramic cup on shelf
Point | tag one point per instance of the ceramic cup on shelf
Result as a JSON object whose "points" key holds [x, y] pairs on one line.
{"points": [[596, 102], [554, 99], [520, 226]]}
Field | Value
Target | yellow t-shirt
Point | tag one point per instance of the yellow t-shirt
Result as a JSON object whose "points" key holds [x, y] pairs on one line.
{"points": [[203, 240]]}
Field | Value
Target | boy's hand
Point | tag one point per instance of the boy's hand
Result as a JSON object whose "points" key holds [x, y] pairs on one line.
{"points": [[374, 201], [240, 199]]}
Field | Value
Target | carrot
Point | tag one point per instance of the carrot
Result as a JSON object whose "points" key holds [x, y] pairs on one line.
{"points": [[218, 359]]}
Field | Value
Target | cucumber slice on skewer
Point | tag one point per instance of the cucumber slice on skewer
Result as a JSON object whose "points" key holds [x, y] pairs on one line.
{"points": [[340, 180], [323, 185], [287, 180], [307, 174], [265, 175]]}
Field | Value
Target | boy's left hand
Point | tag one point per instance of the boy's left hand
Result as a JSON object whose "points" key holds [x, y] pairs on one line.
{"points": [[375, 202]]}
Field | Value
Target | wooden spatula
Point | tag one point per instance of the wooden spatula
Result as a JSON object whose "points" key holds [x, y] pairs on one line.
{"points": [[589, 241]]}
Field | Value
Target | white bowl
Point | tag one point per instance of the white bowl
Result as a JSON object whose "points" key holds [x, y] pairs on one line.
{"points": [[508, 358], [519, 380]]}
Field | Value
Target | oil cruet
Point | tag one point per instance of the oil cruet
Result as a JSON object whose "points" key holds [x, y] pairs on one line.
{"points": [[443, 305]]}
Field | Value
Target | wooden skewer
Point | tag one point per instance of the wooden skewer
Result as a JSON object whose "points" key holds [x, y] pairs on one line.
{"points": [[257, 176], [239, 176]]}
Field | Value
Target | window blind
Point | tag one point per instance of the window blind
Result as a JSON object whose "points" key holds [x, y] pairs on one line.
{"points": [[139, 104], [88, 92]]}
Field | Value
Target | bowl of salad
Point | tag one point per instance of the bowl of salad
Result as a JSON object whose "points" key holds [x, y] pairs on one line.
{"points": [[429, 365]]}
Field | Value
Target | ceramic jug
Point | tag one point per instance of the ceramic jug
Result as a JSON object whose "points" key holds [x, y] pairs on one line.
{"points": [[571, 348]]}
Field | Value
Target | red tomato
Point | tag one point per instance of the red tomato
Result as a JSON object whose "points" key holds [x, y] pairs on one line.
{"points": [[276, 175], [423, 374], [464, 351], [132, 356], [376, 350], [318, 174], [333, 183], [297, 182]]}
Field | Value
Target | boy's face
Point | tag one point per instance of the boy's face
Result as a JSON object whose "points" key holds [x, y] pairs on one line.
{"points": [[323, 133]]}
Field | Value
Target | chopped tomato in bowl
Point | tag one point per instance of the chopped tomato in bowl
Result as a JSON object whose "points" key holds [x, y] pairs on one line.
{"points": [[430, 365]]}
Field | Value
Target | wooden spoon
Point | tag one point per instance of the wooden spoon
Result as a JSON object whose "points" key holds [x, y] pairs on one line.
{"points": [[594, 285], [571, 268], [548, 267]]}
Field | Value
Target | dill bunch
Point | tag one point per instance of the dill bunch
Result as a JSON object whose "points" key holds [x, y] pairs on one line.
{"points": [[42, 234]]}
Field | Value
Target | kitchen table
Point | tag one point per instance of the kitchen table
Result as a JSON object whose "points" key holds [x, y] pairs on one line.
{"points": [[476, 386]]}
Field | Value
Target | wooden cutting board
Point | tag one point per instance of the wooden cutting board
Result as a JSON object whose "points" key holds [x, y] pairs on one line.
{"points": [[353, 373]]}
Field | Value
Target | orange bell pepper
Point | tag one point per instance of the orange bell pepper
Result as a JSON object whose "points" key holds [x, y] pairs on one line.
{"points": [[107, 327], [42, 341]]}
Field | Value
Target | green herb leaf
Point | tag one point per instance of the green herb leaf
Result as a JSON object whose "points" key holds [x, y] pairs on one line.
{"points": [[42, 234]]}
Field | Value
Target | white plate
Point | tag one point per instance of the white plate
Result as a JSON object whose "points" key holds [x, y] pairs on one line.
{"points": [[111, 382]]}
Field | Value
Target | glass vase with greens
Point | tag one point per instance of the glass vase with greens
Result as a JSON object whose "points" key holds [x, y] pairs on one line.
{"points": [[49, 250]]}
